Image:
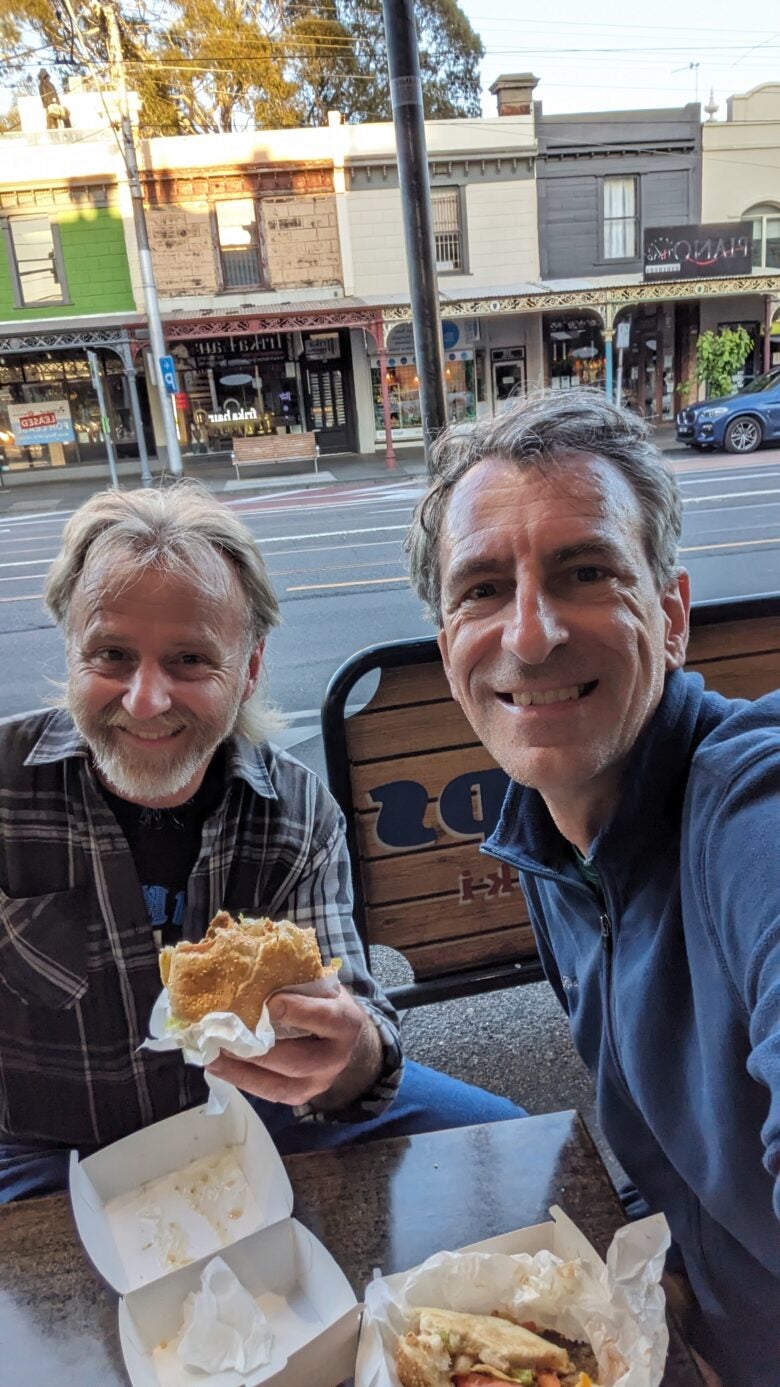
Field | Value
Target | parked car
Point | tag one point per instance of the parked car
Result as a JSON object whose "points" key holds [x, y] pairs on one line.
{"points": [[738, 423]]}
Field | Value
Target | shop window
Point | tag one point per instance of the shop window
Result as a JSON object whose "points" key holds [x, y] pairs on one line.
{"points": [[620, 218], [447, 230], [765, 219], [239, 244], [404, 393], [35, 256]]}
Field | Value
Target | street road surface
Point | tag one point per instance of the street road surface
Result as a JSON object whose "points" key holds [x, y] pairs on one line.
{"points": [[335, 556]]}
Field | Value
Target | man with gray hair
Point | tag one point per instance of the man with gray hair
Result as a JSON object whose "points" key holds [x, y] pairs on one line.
{"points": [[642, 816], [132, 815]]}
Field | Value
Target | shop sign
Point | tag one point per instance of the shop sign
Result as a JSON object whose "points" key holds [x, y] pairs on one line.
{"points": [[46, 422], [267, 344], [718, 250], [325, 346], [232, 416], [400, 339]]}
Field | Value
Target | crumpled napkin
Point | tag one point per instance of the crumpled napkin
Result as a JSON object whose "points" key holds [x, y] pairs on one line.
{"points": [[201, 1041], [224, 1326]]}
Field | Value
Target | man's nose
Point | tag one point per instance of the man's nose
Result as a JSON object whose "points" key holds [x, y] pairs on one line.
{"points": [[147, 694], [535, 626]]}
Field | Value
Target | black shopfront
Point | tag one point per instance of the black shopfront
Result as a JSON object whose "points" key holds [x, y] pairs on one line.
{"points": [[245, 384]]}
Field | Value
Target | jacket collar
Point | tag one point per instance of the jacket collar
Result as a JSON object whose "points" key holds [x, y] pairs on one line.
{"points": [[61, 740], [651, 798]]}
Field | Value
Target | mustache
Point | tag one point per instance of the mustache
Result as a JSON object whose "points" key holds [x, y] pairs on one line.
{"points": [[166, 722]]}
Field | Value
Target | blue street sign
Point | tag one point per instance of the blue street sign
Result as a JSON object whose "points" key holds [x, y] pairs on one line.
{"points": [[168, 374]]}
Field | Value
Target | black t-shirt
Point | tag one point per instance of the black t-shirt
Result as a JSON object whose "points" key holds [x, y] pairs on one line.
{"points": [[165, 844]]}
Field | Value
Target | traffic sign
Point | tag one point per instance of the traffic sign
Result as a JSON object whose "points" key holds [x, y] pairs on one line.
{"points": [[168, 374], [623, 334]]}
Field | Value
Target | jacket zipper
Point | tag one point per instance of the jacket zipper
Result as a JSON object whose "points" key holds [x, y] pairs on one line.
{"points": [[605, 925], [607, 944]]}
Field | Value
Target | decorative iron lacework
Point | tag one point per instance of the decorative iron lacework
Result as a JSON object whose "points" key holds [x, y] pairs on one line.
{"points": [[276, 322], [610, 296], [55, 341]]}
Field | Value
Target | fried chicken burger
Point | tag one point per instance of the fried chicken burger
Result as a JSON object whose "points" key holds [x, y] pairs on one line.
{"points": [[237, 965]]}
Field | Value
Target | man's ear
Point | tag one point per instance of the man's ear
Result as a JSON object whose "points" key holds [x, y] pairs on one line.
{"points": [[253, 671], [676, 603], [444, 648]]}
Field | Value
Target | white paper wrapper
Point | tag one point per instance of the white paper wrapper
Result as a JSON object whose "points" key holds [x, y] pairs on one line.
{"points": [[224, 1326], [618, 1309], [202, 1041]]}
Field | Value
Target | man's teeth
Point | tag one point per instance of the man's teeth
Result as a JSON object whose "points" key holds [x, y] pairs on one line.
{"points": [[151, 736], [536, 700]]}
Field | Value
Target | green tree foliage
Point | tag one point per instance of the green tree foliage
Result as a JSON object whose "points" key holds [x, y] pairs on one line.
{"points": [[203, 66], [719, 355]]}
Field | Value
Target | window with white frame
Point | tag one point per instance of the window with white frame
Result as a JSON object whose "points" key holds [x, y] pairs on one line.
{"points": [[36, 261], [447, 231], [765, 218], [239, 243], [620, 219]]}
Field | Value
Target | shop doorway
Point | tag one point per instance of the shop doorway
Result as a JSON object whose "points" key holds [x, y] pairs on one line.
{"points": [[327, 377], [509, 379]]}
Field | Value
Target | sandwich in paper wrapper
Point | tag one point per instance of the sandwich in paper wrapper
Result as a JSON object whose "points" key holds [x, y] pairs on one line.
{"points": [[216, 989], [611, 1317]]}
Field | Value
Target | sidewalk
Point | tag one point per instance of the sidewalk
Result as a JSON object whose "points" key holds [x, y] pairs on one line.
{"points": [[58, 489]]}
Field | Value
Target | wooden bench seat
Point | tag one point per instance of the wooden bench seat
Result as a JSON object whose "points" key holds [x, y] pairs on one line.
{"points": [[273, 449], [420, 794]]}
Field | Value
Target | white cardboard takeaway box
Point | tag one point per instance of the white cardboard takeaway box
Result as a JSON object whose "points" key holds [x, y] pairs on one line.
{"points": [[154, 1208], [644, 1245]]}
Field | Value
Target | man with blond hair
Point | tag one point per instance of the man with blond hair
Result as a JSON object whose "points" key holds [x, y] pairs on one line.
{"points": [[130, 816], [642, 816]]}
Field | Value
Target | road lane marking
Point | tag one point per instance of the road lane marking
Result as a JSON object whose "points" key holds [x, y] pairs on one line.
{"points": [[356, 583], [732, 544], [330, 534], [728, 496], [28, 597], [24, 563]]}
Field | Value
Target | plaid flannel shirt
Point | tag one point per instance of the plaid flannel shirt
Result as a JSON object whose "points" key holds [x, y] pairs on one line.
{"points": [[78, 964]]}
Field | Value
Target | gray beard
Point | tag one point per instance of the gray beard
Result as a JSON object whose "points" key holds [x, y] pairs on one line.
{"points": [[172, 773]]}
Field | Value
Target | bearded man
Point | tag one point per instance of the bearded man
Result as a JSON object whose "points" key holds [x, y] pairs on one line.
{"points": [[132, 815]]}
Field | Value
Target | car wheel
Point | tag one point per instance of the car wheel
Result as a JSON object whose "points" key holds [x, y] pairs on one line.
{"points": [[742, 436]]}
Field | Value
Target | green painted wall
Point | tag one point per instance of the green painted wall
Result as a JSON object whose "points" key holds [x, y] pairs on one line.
{"points": [[96, 270]]}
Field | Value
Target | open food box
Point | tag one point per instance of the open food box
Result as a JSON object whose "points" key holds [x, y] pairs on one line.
{"points": [[549, 1274], [154, 1209]]}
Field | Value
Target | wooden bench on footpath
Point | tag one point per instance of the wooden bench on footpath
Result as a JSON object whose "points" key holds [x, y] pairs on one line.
{"points": [[420, 794], [278, 450]]}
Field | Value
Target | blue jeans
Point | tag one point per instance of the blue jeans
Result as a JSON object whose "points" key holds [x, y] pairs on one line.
{"points": [[427, 1101]]}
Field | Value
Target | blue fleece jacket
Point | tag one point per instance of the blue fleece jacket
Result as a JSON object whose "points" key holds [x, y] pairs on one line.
{"points": [[670, 975]]}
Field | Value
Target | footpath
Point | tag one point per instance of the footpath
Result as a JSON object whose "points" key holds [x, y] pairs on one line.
{"points": [[58, 489]]}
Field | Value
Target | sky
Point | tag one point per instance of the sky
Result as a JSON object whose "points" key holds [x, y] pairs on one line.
{"points": [[609, 56]]}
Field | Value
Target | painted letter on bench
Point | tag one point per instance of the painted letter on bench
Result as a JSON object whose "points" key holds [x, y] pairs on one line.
{"points": [[469, 807]]}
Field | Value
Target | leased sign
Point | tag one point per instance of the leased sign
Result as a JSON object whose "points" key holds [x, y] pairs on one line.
{"points": [[47, 421], [718, 250]]}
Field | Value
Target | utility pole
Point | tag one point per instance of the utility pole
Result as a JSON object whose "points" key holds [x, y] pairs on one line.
{"points": [[126, 142], [151, 302], [406, 95], [105, 418]]}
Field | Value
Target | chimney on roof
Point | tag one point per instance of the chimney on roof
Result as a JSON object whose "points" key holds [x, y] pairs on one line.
{"points": [[514, 93]]}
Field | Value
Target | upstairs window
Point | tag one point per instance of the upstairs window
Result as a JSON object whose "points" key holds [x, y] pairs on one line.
{"points": [[239, 244], [765, 218], [621, 238], [447, 233], [36, 261]]}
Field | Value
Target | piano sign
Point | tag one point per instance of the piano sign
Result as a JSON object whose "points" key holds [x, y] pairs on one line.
{"points": [[716, 251], [46, 421]]}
